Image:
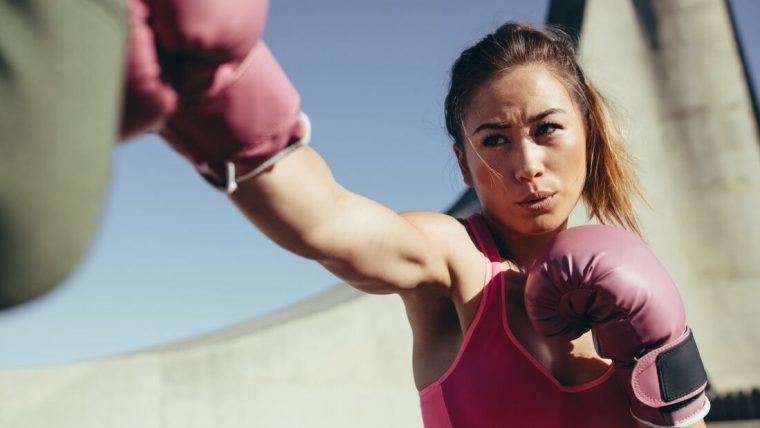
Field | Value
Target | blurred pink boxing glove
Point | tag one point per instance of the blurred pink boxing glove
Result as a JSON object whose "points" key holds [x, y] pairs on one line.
{"points": [[606, 279], [148, 98], [238, 111]]}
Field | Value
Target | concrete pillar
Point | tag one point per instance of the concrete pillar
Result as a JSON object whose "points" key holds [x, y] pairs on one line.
{"points": [[673, 69]]}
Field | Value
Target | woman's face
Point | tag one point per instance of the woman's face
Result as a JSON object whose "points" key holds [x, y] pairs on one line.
{"points": [[524, 150]]}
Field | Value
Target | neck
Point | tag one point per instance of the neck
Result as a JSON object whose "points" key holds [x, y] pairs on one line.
{"points": [[522, 249]]}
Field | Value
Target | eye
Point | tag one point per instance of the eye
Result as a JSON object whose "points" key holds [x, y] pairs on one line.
{"points": [[495, 140], [547, 129]]}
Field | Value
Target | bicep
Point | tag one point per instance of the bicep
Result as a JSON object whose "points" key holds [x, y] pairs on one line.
{"points": [[380, 251]]}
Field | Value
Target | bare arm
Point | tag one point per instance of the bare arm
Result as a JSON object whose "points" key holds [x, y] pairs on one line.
{"points": [[300, 206]]}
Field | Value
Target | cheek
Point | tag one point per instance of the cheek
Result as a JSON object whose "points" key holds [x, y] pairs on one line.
{"points": [[570, 161], [483, 168], [577, 153]]}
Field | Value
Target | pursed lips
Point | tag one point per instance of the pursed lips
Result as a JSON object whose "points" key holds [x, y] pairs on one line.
{"points": [[537, 201]]}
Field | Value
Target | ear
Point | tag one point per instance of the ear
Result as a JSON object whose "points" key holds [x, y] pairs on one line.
{"points": [[462, 160]]}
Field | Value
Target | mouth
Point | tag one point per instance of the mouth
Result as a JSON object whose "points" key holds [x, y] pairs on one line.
{"points": [[538, 201]]}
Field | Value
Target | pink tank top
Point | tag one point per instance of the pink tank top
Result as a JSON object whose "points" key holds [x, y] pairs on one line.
{"points": [[495, 382]]}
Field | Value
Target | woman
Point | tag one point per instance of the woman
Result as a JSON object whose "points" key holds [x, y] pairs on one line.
{"points": [[532, 136]]}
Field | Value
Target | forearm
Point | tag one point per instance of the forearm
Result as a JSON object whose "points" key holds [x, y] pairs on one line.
{"points": [[297, 203]]}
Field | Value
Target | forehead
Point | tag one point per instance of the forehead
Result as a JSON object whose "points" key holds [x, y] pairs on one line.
{"points": [[516, 95]]}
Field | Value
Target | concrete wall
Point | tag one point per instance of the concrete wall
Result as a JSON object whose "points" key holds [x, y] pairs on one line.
{"points": [[343, 360]]}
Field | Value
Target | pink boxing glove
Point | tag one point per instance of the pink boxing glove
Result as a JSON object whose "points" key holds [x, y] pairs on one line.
{"points": [[214, 31], [606, 279], [148, 99], [238, 111]]}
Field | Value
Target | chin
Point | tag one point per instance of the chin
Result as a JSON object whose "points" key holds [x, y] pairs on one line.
{"points": [[543, 224]]}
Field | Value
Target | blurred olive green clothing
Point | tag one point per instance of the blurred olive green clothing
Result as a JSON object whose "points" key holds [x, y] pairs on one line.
{"points": [[60, 86]]}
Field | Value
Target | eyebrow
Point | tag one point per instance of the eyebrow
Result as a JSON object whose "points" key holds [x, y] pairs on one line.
{"points": [[502, 125]]}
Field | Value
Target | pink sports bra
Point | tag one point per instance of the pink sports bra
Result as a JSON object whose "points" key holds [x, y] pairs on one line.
{"points": [[495, 382]]}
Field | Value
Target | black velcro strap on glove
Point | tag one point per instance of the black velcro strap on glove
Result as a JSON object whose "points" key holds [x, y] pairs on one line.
{"points": [[680, 370]]}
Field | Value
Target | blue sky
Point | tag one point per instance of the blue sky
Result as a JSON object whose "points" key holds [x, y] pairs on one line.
{"points": [[174, 259]]}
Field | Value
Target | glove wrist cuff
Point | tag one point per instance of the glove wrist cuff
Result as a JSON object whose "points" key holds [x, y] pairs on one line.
{"points": [[227, 175], [668, 385], [670, 374], [694, 412]]}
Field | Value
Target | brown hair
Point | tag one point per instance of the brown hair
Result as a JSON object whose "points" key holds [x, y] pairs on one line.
{"points": [[611, 182]]}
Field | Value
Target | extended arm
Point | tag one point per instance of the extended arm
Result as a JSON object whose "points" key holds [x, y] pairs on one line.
{"points": [[300, 206], [237, 119]]}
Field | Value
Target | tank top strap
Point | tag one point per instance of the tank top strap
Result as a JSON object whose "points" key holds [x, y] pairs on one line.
{"points": [[485, 242]]}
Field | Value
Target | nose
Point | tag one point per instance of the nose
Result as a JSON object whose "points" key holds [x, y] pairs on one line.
{"points": [[529, 158]]}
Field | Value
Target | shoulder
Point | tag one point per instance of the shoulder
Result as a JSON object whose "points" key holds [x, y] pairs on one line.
{"points": [[436, 225], [448, 234], [465, 261]]}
